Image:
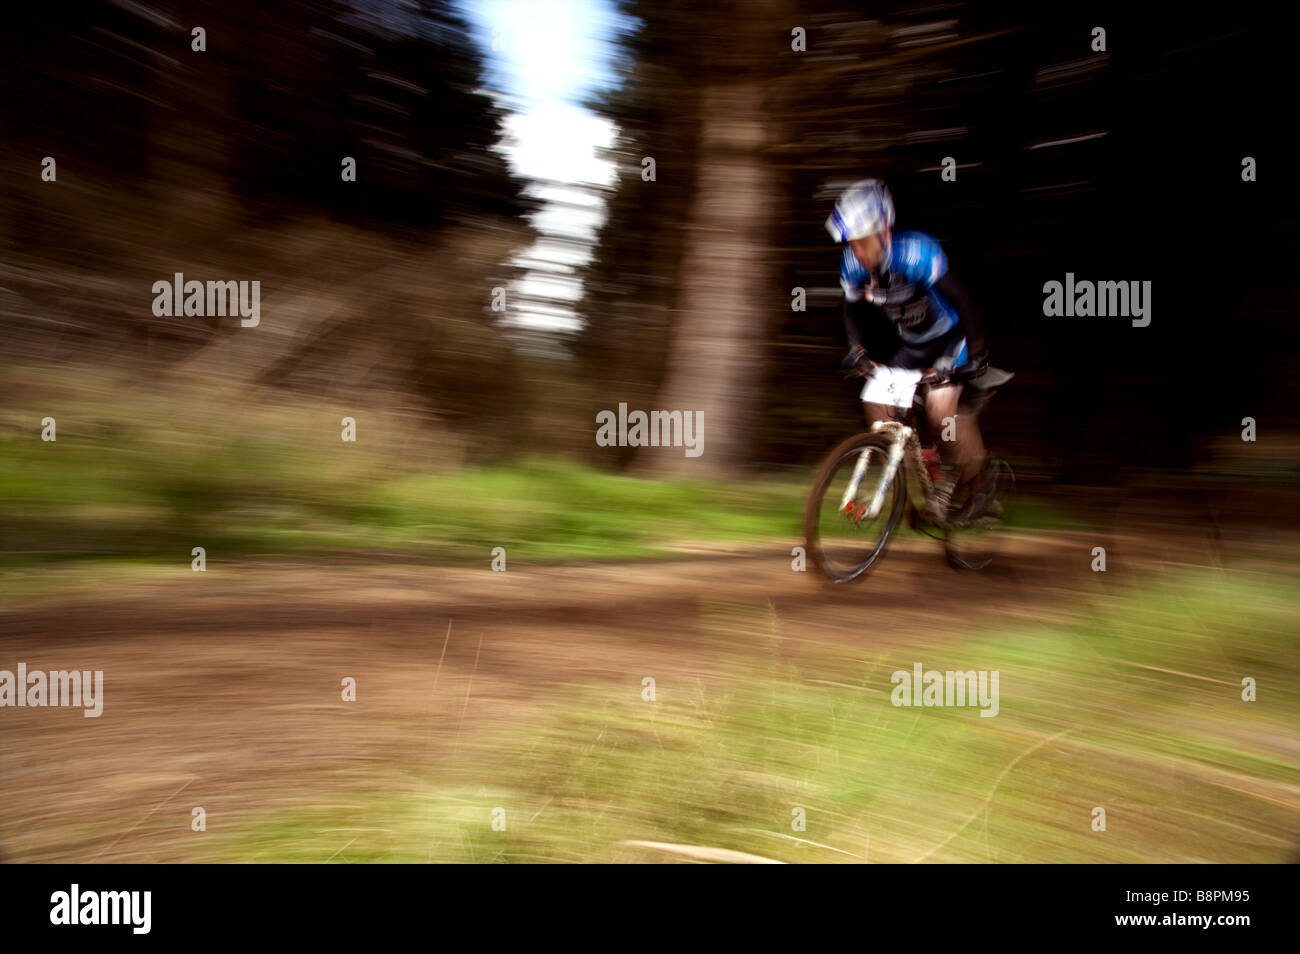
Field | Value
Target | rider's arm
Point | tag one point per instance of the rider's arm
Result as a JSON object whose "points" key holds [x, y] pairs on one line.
{"points": [[853, 278], [851, 332], [867, 328], [968, 313]]}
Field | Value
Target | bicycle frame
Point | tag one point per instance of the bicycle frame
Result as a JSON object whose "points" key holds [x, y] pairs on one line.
{"points": [[901, 440], [904, 449]]}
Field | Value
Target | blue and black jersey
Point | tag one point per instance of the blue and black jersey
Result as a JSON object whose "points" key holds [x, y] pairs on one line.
{"points": [[925, 304]]}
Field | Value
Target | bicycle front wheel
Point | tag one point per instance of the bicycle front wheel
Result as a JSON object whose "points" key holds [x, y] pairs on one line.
{"points": [[850, 516]]}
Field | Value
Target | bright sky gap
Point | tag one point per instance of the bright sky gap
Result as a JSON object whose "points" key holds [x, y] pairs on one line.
{"points": [[544, 59]]}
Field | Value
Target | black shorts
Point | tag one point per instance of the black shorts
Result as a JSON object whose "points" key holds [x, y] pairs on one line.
{"points": [[942, 353]]}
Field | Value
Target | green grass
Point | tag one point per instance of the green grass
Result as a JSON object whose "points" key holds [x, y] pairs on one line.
{"points": [[66, 501], [137, 494], [1186, 770]]}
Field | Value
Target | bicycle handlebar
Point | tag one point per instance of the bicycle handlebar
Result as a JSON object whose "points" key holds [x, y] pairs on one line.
{"points": [[928, 375]]}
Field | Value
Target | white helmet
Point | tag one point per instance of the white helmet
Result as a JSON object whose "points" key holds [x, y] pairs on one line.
{"points": [[865, 208]]}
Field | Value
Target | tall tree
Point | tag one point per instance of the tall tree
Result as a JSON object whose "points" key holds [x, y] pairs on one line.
{"points": [[683, 277]]}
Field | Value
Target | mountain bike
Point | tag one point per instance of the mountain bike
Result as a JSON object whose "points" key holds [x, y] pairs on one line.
{"points": [[868, 481]]}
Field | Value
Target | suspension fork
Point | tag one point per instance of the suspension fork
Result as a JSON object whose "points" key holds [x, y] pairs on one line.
{"points": [[898, 445], [859, 471], [901, 436]]}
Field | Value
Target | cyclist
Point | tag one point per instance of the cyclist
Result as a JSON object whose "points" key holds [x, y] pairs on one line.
{"points": [[938, 328]]}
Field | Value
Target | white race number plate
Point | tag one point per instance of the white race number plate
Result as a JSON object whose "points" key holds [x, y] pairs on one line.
{"points": [[891, 386]]}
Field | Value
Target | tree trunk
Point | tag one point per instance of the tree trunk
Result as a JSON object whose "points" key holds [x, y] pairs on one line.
{"points": [[724, 299]]}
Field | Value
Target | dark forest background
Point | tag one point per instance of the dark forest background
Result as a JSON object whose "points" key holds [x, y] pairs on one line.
{"points": [[228, 161]]}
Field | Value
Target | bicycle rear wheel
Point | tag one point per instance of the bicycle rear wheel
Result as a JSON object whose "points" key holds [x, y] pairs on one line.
{"points": [[842, 537], [974, 547]]}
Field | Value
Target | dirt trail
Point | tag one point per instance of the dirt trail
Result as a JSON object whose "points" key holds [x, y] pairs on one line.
{"points": [[222, 690]]}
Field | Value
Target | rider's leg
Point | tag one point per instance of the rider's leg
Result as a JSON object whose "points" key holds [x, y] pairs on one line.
{"points": [[965, 452], [876, 412], [974, 480]]}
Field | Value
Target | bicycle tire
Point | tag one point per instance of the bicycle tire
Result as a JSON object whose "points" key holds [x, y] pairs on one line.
{"points": [[813, 508]]}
